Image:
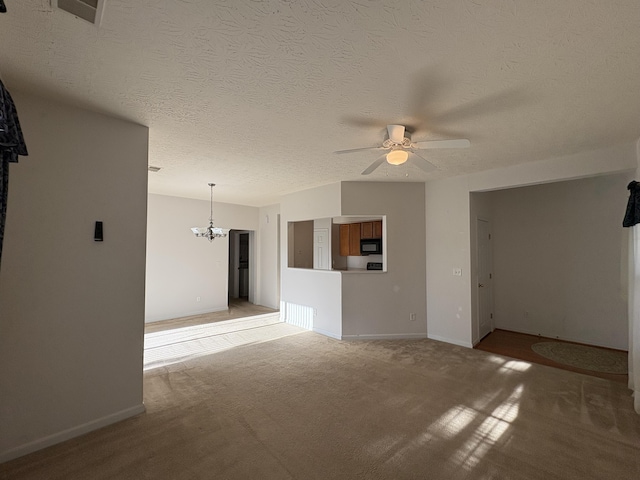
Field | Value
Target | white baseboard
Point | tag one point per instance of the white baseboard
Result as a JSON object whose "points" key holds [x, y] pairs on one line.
{"points": [[386, 336], [327, 333], [70, 433], [172, 316], [450, 340], [561, 337]]}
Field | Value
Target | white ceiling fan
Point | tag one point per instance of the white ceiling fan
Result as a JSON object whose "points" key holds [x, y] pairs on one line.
{"points": [[401, 149]]}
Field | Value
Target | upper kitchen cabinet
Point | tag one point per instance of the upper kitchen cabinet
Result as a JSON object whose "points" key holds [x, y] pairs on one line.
{"points": [[350, 239], [352, 234], [371, 229]]}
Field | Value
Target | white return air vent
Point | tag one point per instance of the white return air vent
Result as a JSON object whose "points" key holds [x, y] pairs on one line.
{"points": [[89, 10]]}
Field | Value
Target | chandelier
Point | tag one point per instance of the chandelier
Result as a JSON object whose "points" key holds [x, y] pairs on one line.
{"points": [[210, 232]]}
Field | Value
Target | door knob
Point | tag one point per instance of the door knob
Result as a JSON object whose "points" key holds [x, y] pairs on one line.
{"points": [[480, 285]]}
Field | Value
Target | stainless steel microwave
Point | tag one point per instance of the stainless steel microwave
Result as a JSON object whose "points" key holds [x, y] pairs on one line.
{"points": [[371, 246]]}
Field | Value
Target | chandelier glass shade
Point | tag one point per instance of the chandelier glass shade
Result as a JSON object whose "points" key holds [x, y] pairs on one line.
{"points": [[210, 232]]}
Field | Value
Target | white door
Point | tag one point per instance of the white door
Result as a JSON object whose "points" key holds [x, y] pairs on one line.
{"points": [[321, 249], [484, 284]]}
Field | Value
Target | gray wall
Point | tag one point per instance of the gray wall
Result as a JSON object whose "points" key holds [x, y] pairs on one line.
{"points": [[364, 304], [71, 309], [559, 254], [303, 244], [379, 305]]}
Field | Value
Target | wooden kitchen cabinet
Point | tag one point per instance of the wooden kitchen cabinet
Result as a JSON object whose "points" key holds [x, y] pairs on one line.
{"points": [[371, 229], [354, 240], [350, 239], [344, 240], [377, 229], [366, 230]]}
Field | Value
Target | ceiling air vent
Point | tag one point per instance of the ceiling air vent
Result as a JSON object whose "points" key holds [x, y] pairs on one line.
{"points": [[89, 10], [153, 169]]}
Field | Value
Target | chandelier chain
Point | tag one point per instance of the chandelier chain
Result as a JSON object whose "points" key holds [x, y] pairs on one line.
{"points": [[211, 232]]}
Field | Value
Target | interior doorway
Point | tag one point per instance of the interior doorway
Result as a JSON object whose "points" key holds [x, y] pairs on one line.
{"points": [[485, 278], [557, 270], [241, 260]]}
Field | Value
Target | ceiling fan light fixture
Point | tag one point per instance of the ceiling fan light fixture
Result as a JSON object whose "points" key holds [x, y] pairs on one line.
{"points": [[397, 157], [399, 147]]}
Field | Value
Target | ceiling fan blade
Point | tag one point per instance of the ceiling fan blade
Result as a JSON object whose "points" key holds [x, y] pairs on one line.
{"points": [[421, 163], [396, 133], [365, 122], [375, 165], [340, 152], [459, 143], [490, 105]]}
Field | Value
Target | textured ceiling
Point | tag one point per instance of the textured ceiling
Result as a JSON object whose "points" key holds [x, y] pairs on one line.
{"points": [[256, 95]]}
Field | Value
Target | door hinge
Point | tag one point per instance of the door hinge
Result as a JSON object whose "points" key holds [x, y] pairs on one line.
{"points": [[491, 315], [489, 236], [490, 276]]}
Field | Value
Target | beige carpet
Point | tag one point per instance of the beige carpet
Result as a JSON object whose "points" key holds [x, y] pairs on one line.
{"points": [[308, 407]]}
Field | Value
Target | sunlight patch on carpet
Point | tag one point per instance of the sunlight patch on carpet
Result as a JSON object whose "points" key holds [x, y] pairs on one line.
{"points": [[490, 432], [454, 421], [509, 366], [515, 366], [174, 346]]}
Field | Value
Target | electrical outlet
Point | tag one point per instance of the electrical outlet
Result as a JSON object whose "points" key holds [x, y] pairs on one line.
{"points": [[412, 317], [457, 272]]}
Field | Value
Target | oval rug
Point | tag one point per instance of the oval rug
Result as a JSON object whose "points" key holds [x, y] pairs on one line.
{"points": [[583, 356]]}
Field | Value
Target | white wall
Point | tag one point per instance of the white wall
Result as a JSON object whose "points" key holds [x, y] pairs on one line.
{"points": [[633, 269], [268, 293], [320, 292], [559, 253], [319, 202], [448, 247], [71, 309], [317, 290], [449, 307], [378, 305], [182, 267]]}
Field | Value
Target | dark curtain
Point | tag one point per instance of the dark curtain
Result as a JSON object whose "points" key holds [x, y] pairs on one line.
{"points": [[11, 145], [632, 215]]}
